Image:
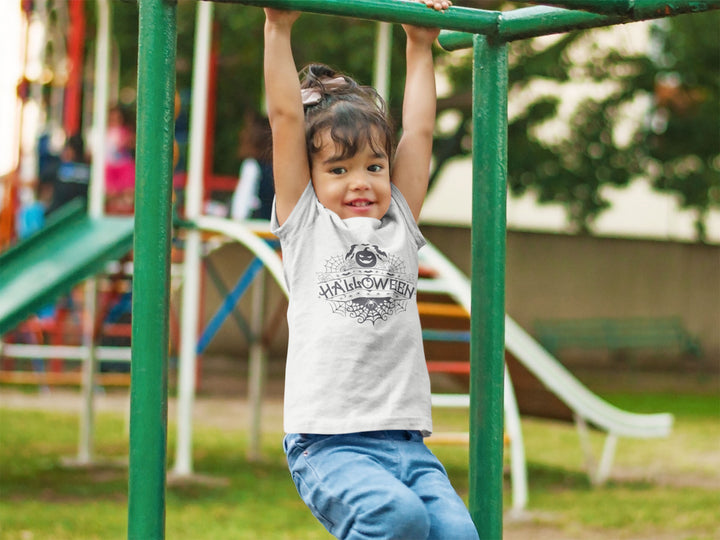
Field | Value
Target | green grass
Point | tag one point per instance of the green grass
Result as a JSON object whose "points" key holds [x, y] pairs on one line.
{"points": [[668, 488], [661, 488]]}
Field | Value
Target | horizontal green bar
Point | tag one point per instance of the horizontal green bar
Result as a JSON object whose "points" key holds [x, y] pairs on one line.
{"points": [[476, 21], [539, 21], [655, 9], [455, 41], [542, 20], [595, 6]]}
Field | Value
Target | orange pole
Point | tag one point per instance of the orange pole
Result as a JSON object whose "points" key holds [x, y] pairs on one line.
{"points": [[73, 90]]}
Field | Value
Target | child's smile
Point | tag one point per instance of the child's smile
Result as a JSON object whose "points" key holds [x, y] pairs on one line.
{"points": [[355, 186]]}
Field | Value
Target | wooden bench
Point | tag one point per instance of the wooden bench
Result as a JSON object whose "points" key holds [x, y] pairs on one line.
{"points": [[665, 334]]}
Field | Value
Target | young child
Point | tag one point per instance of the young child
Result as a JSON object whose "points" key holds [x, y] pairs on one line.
{"points": [[357, 394]]}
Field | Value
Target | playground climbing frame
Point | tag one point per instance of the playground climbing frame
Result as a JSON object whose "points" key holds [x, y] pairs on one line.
{"points": [[488, 33]]}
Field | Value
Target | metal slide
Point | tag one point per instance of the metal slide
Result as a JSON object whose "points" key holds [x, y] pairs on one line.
{"points": [[241, 233], [69, 249], [586, 406]]}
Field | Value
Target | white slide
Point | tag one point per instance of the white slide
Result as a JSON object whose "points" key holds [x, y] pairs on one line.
{"points": [[246, 235], [586, 406]]}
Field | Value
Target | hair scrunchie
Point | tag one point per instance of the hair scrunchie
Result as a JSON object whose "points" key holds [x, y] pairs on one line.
{"points": [[314, 95]]}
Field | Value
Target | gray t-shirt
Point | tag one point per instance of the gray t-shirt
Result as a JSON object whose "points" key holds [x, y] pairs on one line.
{"points": [[355, 354]]}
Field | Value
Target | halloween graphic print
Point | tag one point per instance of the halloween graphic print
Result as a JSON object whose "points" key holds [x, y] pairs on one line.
{"points": [[366, 284]]}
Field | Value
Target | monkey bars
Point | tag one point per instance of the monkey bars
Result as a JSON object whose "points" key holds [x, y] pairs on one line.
{"points": [[488, 32]]}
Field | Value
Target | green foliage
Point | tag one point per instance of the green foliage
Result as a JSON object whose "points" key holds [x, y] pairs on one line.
{"points": [[676, 143], [346, 44], [682, 140]]}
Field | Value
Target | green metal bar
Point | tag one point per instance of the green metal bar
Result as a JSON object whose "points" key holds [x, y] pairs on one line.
{"points": [[455, 41], [595, 6], [662, 8], [655, 9], [151, 283], [394, 11], [487, 343], [537, 21], [541, 20]]}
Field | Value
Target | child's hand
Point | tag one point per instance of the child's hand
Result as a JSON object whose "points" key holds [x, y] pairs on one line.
{"points": [[424, 35], [421, 35], [437, 5], [281, 17]]}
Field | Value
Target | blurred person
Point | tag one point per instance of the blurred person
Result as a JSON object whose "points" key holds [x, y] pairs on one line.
{"points": [[253, 196], [69, 178], [119, 162]]}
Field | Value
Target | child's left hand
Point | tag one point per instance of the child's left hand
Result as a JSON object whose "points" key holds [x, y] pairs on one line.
{"points": [[437, 5]]}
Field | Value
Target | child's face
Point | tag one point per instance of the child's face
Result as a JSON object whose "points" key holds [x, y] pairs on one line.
{"points": [[357, 186]]}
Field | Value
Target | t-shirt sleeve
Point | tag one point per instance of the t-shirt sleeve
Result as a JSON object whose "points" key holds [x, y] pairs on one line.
{"points": [[406, 216], [298, 218]]}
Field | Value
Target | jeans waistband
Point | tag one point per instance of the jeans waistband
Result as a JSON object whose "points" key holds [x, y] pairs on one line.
{"points": [[392, 434]]}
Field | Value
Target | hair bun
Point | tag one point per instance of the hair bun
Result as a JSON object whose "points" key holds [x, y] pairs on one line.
{"points": [[320, 81]]}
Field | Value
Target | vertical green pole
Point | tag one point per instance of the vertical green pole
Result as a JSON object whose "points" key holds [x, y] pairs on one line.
{"points": [[490, 74], [153, 231]]}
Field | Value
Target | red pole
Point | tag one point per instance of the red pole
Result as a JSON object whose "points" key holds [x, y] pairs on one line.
{"points": [[73, 89]]}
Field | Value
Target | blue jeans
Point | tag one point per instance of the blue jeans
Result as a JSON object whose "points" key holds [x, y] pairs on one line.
{"points": [[379, 484]]}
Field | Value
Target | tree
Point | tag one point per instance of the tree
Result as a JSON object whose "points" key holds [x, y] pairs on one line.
{"points": [[682, 139], [569, 160], [652, 113], [238, 36], [344, 43]]}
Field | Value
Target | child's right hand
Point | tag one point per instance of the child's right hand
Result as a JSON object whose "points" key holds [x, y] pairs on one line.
{"points": [[281, 17], [426, 35], [437, 5], [421, 34]]}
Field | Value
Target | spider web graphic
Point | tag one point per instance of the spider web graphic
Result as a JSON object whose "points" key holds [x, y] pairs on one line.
{"points": [[369, 309], [360, 303]]}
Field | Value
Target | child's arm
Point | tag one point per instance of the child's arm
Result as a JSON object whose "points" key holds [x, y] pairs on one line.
{"points": [[411, 168], [291, 170]]}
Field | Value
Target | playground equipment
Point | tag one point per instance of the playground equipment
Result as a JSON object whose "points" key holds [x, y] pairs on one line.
{"points": [[94, 227], [488, 32], [59, 27], [68, 250], [553, 392], [535, 383], [491, 31], [523, 355]]}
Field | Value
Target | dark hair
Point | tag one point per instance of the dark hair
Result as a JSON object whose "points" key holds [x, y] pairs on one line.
{"points": [[355, 115], [256, 137], [75, 144]]}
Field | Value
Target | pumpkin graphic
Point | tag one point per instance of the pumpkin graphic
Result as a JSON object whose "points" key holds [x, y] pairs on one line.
{"points": [[366, 258]]}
